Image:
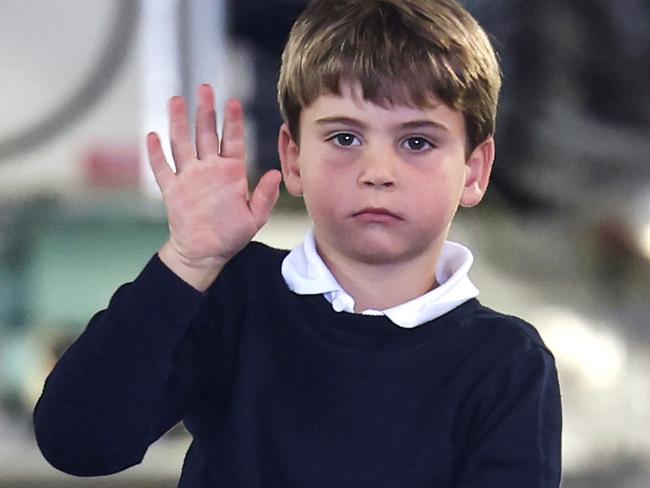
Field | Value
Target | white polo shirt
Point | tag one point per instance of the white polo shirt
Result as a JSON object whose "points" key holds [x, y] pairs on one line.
{"points": [[306, 274]]}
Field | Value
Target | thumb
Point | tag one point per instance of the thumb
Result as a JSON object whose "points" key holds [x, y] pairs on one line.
{"points": [[265, 195]]}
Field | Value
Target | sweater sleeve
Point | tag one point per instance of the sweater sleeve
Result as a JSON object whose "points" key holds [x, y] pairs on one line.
{"points": [[515, 424], [136, 370]]}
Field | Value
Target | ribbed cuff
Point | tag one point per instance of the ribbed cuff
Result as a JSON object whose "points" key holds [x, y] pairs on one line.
{"points": [[172, 298]]}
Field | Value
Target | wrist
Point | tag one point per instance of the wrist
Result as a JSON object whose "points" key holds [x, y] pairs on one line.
{"points": [[199, 273]]}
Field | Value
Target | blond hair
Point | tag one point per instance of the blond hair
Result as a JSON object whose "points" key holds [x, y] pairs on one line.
{"points": [[406, 52]]}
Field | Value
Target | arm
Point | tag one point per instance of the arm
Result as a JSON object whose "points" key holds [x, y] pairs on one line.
{"points": [[136, 370], [141, 365], [514, 433]]}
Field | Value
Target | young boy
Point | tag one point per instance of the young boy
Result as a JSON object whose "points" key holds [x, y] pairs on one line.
{"points": [[361, 358]]}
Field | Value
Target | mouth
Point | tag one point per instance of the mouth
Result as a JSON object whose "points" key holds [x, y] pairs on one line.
{"points": [[376, 214]]}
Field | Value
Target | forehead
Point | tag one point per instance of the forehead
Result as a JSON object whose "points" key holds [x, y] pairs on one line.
{"points": [[350, 103]]}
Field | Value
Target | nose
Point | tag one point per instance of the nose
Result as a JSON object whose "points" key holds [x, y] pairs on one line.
{"points": [[378, 169]]}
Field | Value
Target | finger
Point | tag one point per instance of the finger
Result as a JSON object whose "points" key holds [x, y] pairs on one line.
{"points": [[182, 148], [232, 143], [161, 170], [265, 196], [207, 139]]}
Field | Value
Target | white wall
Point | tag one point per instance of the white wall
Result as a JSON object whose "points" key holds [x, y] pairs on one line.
{"points": [[47, 49]]}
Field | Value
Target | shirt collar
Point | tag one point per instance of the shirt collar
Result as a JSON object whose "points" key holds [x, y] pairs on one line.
{"points": [[306, 274]]}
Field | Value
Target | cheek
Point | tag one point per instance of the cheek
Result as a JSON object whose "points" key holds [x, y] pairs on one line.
{"points": [[436, 196], [324, 198], [328, 200], [329, 178]]}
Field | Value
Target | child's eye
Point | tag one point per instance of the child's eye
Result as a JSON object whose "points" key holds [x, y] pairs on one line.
{"points": [[417, 144], [345, 139]]}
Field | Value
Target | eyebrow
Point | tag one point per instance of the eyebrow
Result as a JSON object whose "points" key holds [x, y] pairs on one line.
{"points": [[341, 120], [413, 124], [420, 124]]}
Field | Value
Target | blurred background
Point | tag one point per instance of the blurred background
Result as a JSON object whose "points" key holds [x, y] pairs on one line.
{"points": [[562, 240]]}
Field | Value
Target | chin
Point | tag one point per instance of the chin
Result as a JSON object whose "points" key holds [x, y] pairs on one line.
{"points": [[370, 253], [390, 249]]}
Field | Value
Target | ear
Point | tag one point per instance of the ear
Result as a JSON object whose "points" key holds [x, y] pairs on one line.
{"points": [[477, 173], [289, 152]]}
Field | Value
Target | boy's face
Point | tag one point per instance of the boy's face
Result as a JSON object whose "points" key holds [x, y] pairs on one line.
{"points": [[382, 184]]}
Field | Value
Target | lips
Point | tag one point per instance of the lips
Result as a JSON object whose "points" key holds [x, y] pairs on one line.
{"points": [[377, 214]]}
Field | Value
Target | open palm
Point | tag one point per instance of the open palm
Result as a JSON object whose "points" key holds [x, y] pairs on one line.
{"points": [[211, 214]]}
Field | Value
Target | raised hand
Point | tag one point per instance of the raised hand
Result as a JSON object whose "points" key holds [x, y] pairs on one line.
{"points": [[211, 214]]}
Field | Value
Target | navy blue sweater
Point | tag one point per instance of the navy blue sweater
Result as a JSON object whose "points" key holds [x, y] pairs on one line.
{"points": [[278, 390]]}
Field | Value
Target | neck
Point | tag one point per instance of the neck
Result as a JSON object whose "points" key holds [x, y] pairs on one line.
{"points": [[381, 286]]}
